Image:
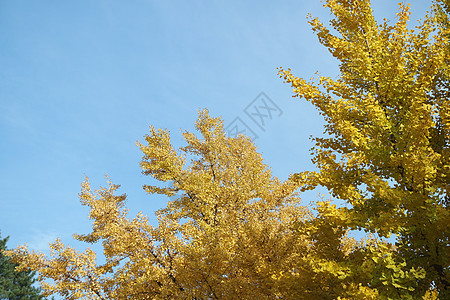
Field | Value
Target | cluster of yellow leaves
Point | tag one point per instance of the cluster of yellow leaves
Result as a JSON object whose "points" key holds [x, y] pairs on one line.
{"points": [[229, 231], [386, 150]]}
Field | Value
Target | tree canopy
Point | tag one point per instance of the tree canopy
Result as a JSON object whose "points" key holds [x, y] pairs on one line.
{"points": [[388, 121], [231, 230]]}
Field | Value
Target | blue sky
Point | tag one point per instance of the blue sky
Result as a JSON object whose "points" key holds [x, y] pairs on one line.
{"points": [[81, 81]]}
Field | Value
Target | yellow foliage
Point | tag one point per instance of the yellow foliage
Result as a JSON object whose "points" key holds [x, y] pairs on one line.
{"points": [[387, 148], [231, 230]]}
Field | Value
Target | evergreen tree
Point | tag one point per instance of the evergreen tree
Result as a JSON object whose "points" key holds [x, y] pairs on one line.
{"points": [[13, 284]]}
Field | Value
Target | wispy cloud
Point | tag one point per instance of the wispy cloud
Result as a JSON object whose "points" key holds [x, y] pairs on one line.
{"points": [[41, 240]]}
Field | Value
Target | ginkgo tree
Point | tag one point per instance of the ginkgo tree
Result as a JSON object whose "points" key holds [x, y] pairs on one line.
{"points": [[231, 230], [386, 151]]}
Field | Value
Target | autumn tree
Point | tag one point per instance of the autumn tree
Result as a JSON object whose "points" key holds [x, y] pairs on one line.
{"points": [[230, 230], [227, 234], [386, 151]]}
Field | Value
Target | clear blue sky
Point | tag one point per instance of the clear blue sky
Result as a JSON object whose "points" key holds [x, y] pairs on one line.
{"points": [[81, 81]]}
